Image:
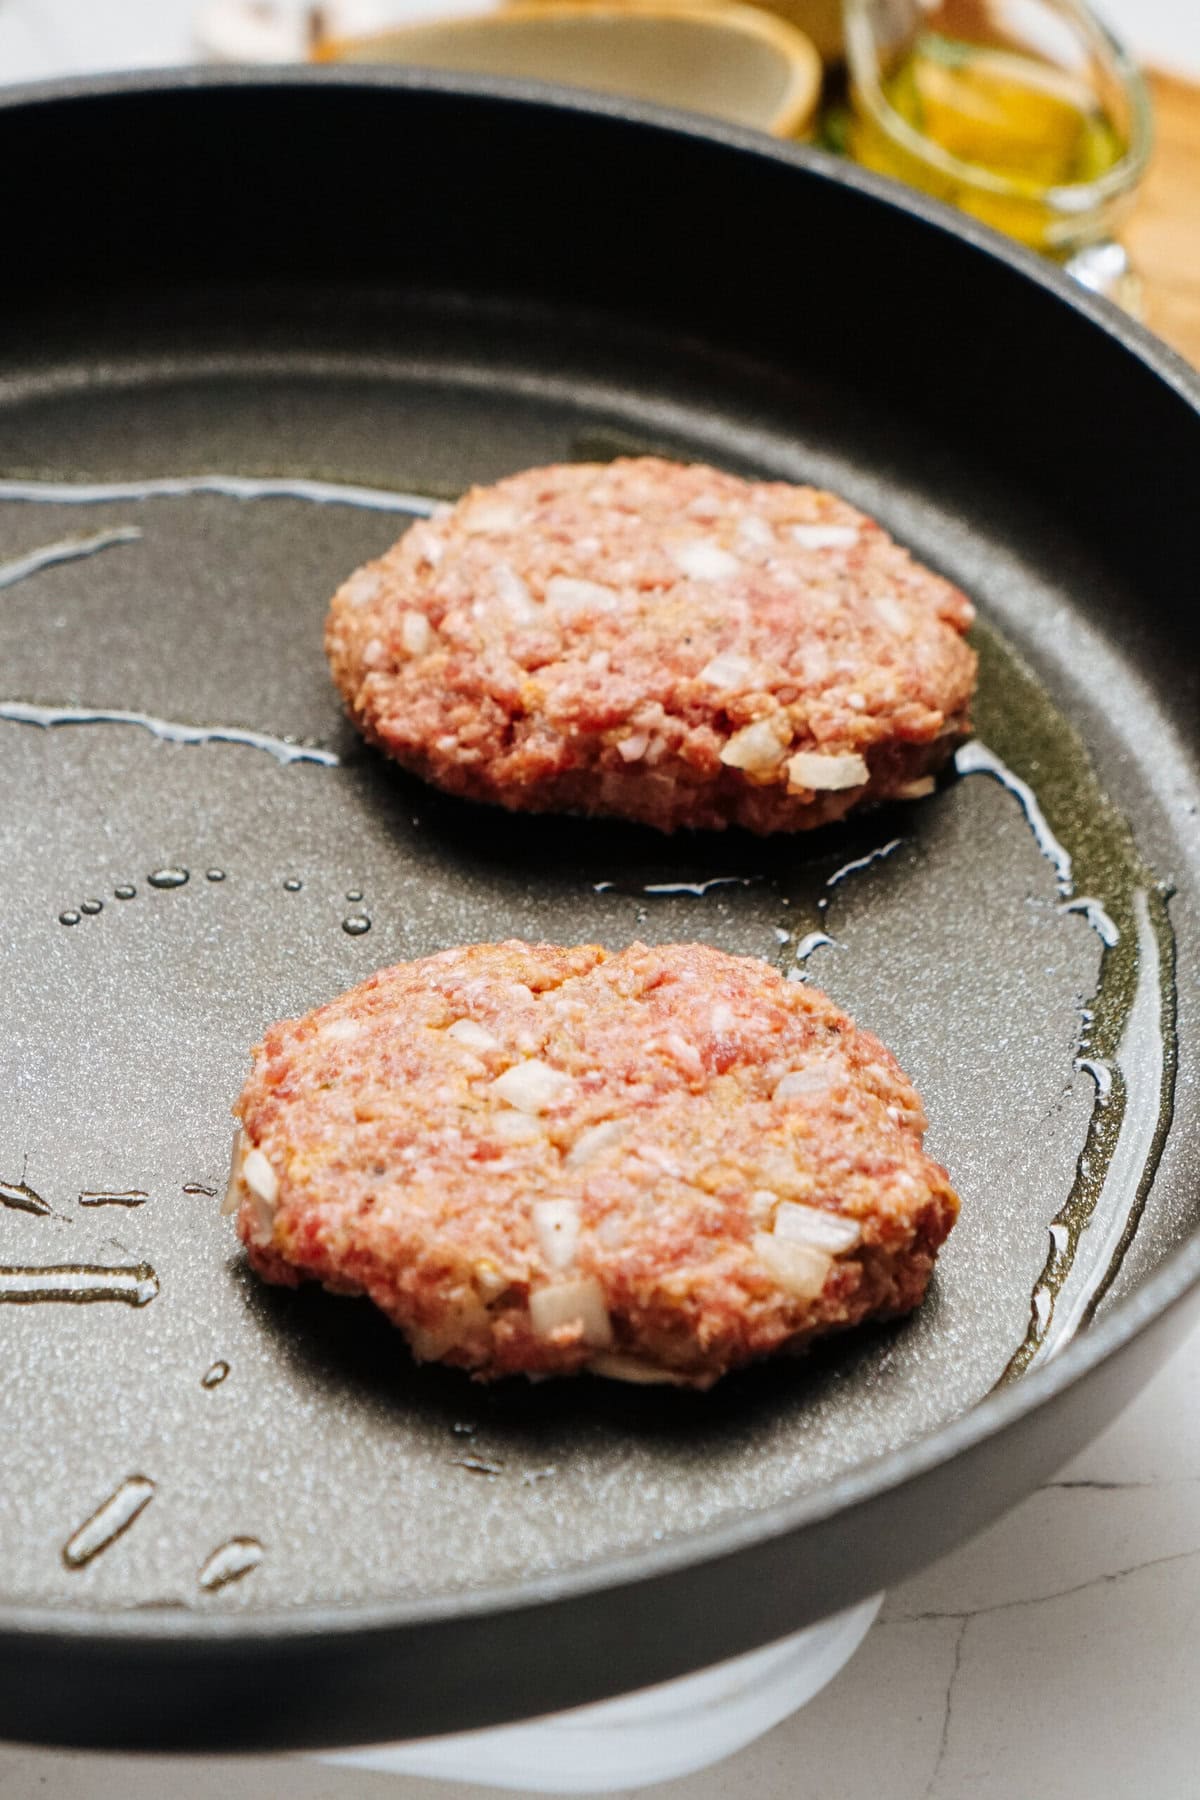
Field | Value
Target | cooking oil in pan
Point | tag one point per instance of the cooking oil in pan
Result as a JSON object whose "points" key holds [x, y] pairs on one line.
{"points": [[168, 878], [1129, 1032], [169, 731], [1127, 1041]]}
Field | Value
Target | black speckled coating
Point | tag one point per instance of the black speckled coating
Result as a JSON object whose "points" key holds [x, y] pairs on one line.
{"points": [[434, 1554]]}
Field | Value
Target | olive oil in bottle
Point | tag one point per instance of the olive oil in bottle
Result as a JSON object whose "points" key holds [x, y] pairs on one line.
{"points": [[995, 131]]}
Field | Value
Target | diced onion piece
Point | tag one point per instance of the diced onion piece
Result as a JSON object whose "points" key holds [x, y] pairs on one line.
{"points": [[752, 528], [633, 747], [571, 1303], [253, 1182], [705, 561], [416, 633], [340, 1031], [721, 1017], [490, 515], [514, 593], [812, 1225], [916, 790], [518, 1128], [762, 1204], [892, 613], [815, 1079], [825, 771], [799, 1268], [556, 1228], [756, 748], [427, 545], [568, 596], [490, 1281], [259, 1176], [685, 1054], [362, 587], [530, 1086], [825, 537], [594, 1140], [730, 671], [233, 1188], [472, 1036], [632, 1369]]}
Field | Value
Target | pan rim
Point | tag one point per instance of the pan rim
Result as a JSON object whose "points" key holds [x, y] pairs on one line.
{"points": [[999, 1410]]}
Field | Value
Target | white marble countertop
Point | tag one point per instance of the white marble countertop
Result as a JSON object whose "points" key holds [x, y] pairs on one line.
{"points": [[1057, 1655]]}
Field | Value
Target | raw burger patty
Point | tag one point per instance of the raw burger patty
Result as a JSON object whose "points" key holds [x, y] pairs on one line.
{"points": [[656, 642], [657, 1164]]}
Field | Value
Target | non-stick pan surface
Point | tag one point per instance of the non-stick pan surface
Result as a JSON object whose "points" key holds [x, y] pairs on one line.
{"points": [[360, 295]]}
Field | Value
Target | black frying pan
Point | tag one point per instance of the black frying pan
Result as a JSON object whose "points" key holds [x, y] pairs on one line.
{"points": [[408, 284]]}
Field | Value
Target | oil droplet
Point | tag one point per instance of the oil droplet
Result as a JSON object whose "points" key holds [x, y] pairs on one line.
{"points": [[229, 1562], [1101, 1073], [126, 891], [21, 1198], [476, 1465], [70, 917], [198, 1187], [91, 907], [813, 940], [464, 1428], [109, 1520], [354, 896], [292, 885], [356, 925], [213, 1377], [113, 1197], [168, 878], [214, 874], [79, 1284]]}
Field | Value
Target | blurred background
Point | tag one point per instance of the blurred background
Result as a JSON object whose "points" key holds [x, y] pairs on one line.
{"points": [[1072, 129]]}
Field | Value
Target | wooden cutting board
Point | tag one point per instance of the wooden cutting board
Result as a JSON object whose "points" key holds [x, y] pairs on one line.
{"points": [[1163, 231]]}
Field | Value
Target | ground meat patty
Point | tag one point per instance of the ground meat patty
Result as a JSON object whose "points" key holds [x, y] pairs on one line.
{"points": [[657, 1165], [656, 642]]}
